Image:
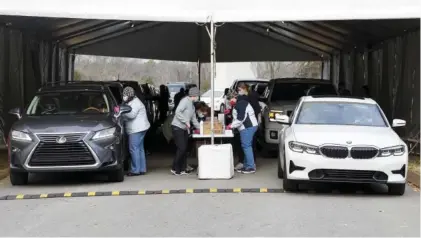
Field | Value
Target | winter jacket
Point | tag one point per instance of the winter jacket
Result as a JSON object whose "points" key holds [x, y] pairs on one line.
{"points": [[137, 119], [254, 102], [184, 114], [243, 114]]}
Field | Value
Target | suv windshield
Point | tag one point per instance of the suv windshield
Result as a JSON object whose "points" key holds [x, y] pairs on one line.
{"points": [[340, 113], [175, 88], [251, 84], [294, 91], [63, 103], [217, 94]]}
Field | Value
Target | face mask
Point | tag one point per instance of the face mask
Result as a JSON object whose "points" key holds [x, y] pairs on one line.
{"points": [[241, 92], [125, 98], [199, 114]]}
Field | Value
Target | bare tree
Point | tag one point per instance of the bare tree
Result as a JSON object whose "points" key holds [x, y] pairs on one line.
{"points": [[286, 69]]}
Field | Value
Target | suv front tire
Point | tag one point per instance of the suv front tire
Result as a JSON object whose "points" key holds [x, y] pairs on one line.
{"points": [[116, 175], [18, 178]]}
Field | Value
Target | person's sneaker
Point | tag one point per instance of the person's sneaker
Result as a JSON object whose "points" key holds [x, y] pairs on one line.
{"points": [[189, 168], [180, 173], [248, 171], [239, 167]]}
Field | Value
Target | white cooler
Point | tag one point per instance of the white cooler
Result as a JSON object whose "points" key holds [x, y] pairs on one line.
{"points": [[216, 161]]}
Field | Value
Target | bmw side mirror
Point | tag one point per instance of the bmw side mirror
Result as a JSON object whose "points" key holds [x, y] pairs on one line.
{"points": [[282, 119], [398, 123], [16, 112]]}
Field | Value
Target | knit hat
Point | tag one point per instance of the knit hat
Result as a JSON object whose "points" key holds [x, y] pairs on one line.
{"points": [[194, 92], [129, 92]]}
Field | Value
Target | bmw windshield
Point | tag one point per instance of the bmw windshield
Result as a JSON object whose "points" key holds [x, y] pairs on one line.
{"points": [[341, 113], [68, 103]]}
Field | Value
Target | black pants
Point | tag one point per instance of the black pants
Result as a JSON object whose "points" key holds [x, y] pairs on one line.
{"points": [[181, 139]]}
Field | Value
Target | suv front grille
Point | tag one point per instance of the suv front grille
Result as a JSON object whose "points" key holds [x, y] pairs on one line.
{"points": [[73, 152], [364, 152], [336, 152]]}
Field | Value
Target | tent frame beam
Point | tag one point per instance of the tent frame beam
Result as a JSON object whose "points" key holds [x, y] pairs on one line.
{"points": [[115, 34]]}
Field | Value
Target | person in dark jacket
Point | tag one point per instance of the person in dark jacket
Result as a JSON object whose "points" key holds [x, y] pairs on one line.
{"points": [[343, 91], [245, 121], [177, 98], [164, 97]]}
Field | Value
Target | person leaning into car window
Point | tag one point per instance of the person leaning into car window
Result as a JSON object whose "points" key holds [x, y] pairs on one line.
{"points": [[136, 124], [184, 114]]}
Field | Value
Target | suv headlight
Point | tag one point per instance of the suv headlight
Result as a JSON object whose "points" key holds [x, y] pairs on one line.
{"points": [[302, 147], [273, 113], [20, 136], [394, 150], [104, 134]]}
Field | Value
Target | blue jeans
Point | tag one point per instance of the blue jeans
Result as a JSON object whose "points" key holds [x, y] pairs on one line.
{"points": [[137, 152], [246, 137]]}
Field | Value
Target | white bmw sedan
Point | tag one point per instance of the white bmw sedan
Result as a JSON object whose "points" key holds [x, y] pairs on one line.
{"points": [[341, 139]]}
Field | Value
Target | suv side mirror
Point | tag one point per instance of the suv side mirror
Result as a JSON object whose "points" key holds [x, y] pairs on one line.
{"points": [[263, 99], [122, 109], [398, 123], [16, 112], [283, 119]]}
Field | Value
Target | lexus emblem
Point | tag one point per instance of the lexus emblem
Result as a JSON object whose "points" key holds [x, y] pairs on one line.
{"points": [[349, 142], [61, 140]]}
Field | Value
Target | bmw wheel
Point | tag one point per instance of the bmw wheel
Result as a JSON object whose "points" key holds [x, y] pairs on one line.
{"points": [[396, 189]]}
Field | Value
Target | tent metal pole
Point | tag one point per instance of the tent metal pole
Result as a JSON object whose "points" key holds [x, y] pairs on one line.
{"points": [[199, 66], [212, 59]]}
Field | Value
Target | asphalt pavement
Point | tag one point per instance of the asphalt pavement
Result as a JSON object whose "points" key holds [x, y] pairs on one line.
{"points": [[317, 211]]}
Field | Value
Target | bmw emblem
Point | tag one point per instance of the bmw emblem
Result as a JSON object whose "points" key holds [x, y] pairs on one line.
{"points": [[61, 140], [349, 142]]}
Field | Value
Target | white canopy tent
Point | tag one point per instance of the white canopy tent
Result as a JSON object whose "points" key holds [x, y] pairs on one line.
{"points": [[211, 13], [219, 10]]}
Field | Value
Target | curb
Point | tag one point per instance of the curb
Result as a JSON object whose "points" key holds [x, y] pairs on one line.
{"points": [[413, 178], [140, 192]]}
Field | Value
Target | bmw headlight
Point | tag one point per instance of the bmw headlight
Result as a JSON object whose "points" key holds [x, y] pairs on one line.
{"points": [[104, 134], [302, 147], [392, 151], [20, 136]]}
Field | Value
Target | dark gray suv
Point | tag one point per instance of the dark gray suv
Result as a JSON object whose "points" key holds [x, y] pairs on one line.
{"points": [[67, 128]]}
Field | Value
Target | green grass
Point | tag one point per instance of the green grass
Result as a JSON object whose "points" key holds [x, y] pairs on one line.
{"points": [[414, 164]]}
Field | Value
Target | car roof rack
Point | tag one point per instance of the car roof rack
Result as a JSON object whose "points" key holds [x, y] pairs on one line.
{"points": [[337, 96]]}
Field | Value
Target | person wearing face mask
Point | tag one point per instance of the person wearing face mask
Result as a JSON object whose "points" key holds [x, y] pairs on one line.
{"points": [[245, 121], [184, 114], [136, 125]]}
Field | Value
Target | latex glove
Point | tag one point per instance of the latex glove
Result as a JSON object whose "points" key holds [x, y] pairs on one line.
{"points": [[228, 127], [196, 131], [227, 111], [116, 109]]}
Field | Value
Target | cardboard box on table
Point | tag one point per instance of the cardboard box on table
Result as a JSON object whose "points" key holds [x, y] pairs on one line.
{"points": [[218, 127]]}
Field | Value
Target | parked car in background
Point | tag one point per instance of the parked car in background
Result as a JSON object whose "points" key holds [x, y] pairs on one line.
{"points": [[341, 139], [280, 98], [174, 88], [219, 104], [256, 84], [68, 128]]}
